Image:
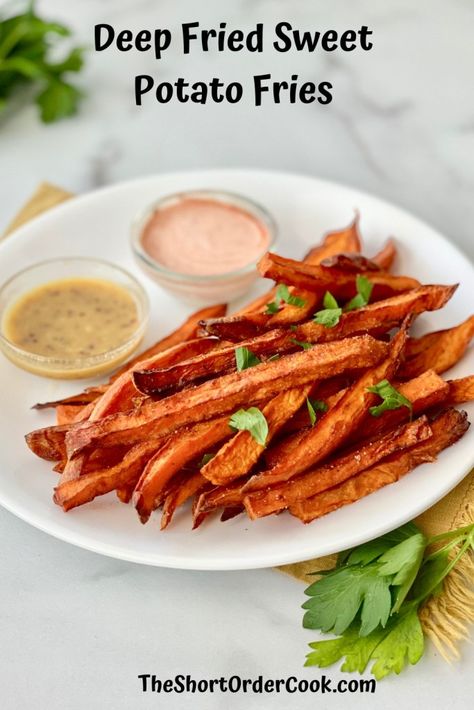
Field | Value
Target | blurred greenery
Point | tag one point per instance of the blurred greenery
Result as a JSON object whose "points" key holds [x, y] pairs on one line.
{"points": [[26, 44]]}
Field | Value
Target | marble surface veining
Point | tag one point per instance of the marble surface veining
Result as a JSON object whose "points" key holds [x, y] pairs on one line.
{"points": [[77, 628]]}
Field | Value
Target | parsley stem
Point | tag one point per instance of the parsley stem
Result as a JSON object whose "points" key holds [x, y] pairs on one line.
{"points": [[453, 563], [451, 533]]}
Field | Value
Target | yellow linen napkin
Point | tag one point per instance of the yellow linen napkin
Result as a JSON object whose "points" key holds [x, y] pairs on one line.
{"points": [[445, 618]]}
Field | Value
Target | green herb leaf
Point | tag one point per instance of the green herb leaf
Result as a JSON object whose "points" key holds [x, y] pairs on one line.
{"points": [[370, 551], [403, 643], [253, 421], [245, 358], [315, 405], [364, 290], [403, 561], [301, 344], [330, 315], [336, 600], [283, 295], [391, 399], [58, 100], [205, 459], [356, 650]]}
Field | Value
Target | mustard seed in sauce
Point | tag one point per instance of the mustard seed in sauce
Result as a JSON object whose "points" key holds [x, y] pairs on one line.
{"points": [[72, 317]]}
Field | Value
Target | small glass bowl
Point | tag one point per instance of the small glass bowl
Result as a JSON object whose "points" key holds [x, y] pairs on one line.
{"points": [[59, 269], [196, 288]]}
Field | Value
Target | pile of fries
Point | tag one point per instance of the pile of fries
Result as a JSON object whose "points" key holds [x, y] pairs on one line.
{"points": [[273, 407]]}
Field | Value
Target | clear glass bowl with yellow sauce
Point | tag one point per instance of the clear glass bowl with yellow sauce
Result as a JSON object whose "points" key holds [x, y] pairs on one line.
{"points": [[72, 318], [203, 245]]}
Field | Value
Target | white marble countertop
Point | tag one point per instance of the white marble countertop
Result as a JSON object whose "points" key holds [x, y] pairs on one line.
{"points": [[78, 628]]}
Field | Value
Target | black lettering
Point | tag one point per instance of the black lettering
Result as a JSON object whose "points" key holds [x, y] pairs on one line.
{"points": [[364, 32], [255, 39], [329, 41], [188, 36], [234, 92], [144, 679], [307, 92], [162, 41], [109, 38], [179, 685], [347, 40], [325, 684], [199, 93], [280, 32], [236, 41], [325, 91], [259, 87], [164, 92], [143, 84], [124, 40], [143, 40], [181, 85], [306, 39]]}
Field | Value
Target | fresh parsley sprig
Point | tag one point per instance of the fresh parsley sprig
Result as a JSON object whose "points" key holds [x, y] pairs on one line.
{"points": [[25, 44], [391, 399], [245, 358], [253, 421], [283, 295], [373, 595], [330, 315], [313, 406], [301, 344]]}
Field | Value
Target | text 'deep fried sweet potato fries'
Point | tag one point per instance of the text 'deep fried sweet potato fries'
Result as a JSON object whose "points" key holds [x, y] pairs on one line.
{"points": [[307, 400]]}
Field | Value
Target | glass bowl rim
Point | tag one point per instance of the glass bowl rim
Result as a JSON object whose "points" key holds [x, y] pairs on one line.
{"points": [[87, 361], [246, 203]]}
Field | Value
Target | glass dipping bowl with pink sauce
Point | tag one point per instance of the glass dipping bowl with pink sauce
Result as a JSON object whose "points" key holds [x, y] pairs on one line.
{"points": [[203, 245]]}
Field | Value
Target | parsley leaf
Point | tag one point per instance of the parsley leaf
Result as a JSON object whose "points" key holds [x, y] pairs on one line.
{"points": [[364, 290], [404, 642], [392, 399], [356, 650], [336, 599], [205, 459], [330, 315], [305, 346], [26, 41], [245, 358], [283, 295], [315, 405], [404, 561], [253, 421]]}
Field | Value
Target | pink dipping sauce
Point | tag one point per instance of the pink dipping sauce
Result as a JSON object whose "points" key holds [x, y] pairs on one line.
{"points": [[202, 236]]}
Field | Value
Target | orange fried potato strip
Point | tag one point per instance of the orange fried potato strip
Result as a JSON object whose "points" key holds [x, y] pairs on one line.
{"points": [[448, 428], [341, 284], [338, 470], [90, 485], [241, 453], [227, 393], [386, 256], [437, 351], [179, 449], [335, 427]]}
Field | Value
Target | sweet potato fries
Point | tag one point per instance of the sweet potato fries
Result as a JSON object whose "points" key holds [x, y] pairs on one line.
{"points": [[308, 399]]}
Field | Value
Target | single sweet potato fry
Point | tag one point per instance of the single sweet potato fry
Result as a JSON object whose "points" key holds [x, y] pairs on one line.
{"points": [[78, 400], [90, 485], [461, 390], [179, 449], [386, 256], [238, 456], [437, 351], [229, 496], [227, 393], [340, 284], [334, 427], [188, 488], [448, 428], [49, 442], [343, 241], [337, 470]]}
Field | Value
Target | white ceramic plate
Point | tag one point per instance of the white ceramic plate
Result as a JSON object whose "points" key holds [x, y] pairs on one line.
{"points": [[97, 225]]}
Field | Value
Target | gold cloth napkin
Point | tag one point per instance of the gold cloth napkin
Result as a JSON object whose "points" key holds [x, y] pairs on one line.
{"points": [[445, 618]]}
